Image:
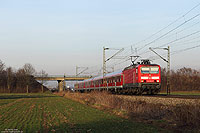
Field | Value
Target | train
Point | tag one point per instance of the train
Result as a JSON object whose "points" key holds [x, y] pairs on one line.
{"points": [[140, 78]]}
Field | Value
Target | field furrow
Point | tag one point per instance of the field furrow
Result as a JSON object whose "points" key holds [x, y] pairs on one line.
{"points": [[50, 113]]}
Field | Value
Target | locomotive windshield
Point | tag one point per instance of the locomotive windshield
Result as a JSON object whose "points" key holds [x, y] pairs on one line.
{"points": [[154, 69], [147, 70]]}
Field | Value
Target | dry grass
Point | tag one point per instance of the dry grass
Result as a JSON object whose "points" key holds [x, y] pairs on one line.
{"points": [[179, 113]]}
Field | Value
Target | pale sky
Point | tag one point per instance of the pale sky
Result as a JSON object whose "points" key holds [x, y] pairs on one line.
{"points": [[57, 35]]}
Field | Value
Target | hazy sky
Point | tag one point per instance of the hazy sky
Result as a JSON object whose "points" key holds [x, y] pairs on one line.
{"points": [[57, 35]]}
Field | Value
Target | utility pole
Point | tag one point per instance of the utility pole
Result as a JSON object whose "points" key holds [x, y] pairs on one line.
{"points": [[168, 71], [76, 71], [104, 60], [168, 65], [64, 83]]}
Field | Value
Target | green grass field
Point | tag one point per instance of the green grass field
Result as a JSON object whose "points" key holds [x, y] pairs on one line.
{"points": [[50, 113]]}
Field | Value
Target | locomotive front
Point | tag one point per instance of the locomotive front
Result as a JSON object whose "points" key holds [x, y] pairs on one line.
{"points": [[142, 77], [149, 79]]}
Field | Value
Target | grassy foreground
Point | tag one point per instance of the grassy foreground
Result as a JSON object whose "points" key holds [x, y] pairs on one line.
{"points": [[50, 113]]}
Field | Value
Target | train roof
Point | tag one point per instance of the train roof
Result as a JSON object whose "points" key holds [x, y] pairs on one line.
{"points": [[106, 76], [137, 65]]}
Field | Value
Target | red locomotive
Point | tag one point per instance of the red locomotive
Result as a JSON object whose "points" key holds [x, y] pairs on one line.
{"points": [[135, 79]]}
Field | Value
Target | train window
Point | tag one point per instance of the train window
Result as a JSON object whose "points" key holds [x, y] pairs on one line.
{"points": [[136, 70], [154, 69], [118, 79], [145, 69]]}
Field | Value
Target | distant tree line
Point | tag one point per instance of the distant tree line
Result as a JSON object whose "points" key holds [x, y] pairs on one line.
{"points": [[23, 81], [184, 79], [19, 81]]}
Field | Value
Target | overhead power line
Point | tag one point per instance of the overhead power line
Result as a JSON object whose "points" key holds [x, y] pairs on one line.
{"points": [[169, 24], [130, 52], [177, 51], [165, 33], [186, 49], [163, 36], [180, 38], [183, 29], [170, 31]]}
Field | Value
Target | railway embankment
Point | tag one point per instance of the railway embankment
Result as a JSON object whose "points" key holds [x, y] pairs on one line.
{"points": [[176, 114]]}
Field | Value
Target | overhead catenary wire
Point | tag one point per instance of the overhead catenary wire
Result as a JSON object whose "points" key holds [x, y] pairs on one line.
{"points": [[129, 52], [177, 51], [165, 35], [186, 49], [179, 39], [183, 29], [169, 31], [189, 35], [161, 46], [186, 21], [176, 20]]}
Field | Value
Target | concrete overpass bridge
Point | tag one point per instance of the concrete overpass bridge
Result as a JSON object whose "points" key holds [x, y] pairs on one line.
{"points": [[61, 79]]}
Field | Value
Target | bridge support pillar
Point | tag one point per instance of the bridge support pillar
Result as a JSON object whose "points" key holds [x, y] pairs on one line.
{"points": [[61, 84]]}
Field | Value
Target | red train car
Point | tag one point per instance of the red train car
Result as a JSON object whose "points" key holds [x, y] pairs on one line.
{"points": [[135, 79]]}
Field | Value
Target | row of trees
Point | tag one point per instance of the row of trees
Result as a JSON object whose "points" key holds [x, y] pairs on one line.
{"points": [[21, 80], [184, 79]]}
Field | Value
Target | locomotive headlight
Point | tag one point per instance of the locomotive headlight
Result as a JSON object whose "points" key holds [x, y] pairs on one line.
{"points": [[157, 80], [142, 81]]}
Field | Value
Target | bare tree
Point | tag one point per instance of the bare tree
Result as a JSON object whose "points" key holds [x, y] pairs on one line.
{"points": [[2, 75], [21, 79], [29, 69], [29, 72], [1, 66], [43, 75]]}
